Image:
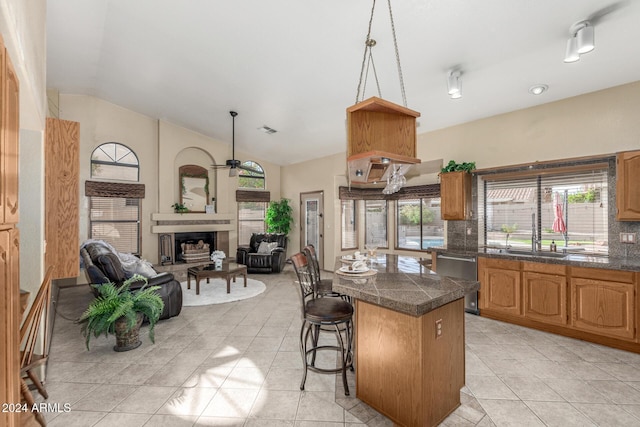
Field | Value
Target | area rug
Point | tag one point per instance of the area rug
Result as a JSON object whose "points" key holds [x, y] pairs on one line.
{"points": [[215, 292]]}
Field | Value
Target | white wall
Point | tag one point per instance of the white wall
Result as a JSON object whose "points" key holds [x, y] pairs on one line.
{"points": [[31, 224], [102, 122], [324, 174], [600, 122]]}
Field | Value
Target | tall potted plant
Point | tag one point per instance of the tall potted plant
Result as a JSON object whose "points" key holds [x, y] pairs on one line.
{"points": [[120, 311], [279, 217]]}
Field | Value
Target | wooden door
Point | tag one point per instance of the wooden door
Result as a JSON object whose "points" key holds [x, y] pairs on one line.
{"points": [[312, 222], [628, 191], [455, 195], [62, 205], [545, 297], [603, 307]]}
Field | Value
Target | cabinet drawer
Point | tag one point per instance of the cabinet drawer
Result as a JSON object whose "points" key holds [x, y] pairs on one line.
{"points": [[601, 274], [498, 263], [539, 267]]}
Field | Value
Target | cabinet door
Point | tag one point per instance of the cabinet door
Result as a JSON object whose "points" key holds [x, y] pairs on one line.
{"points": [[455, 192], [9, 325], [10, 128], [501, 290], [627, 190], [604, 308], [62, 205], [545, 297]]}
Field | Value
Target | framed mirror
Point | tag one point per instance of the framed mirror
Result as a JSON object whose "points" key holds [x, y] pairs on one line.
{"points": [[194, 187]]}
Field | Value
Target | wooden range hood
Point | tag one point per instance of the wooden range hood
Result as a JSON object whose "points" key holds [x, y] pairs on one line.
{"points": [[378, 130]]}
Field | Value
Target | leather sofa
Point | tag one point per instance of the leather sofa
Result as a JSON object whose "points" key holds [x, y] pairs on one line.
{"points": [[101, 265], [264, 258]]}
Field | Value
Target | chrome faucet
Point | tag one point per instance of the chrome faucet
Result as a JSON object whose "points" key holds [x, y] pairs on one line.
{"points": [[534, 239]]}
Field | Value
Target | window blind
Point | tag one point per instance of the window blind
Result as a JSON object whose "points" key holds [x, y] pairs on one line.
{"points": [[349, 229], [117, 221], [570, 209]]}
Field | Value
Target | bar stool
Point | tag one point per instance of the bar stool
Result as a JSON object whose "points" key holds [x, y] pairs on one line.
{"points": [[323, 287], [333, 314]]}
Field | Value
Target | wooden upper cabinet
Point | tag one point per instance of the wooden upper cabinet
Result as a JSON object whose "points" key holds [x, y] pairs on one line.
{"points": [[455, 195], [379, 134], [62, 197], [500, 286], [379, 125], [628, 190]]}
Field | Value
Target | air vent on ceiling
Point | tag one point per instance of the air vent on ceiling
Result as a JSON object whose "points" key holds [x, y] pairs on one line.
{"points": [[267, 130]]}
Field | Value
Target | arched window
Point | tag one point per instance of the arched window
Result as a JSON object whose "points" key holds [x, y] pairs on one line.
{"points": [[114, 207], [112, 160], [251, 177]]}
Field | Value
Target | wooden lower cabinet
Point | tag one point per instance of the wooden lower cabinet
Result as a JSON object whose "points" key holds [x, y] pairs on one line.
{"points": [[545, 292], [403, 369], [592, 304], [500, 287], [603, 307]]}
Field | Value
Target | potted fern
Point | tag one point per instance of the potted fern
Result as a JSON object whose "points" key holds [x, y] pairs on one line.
{"points": [[120, 311]]}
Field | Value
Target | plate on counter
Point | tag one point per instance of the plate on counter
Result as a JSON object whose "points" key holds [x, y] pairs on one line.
{"points": [[352, 271]]}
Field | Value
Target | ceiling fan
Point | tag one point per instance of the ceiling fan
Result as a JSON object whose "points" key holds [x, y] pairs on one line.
{"points": [[233, 164]]}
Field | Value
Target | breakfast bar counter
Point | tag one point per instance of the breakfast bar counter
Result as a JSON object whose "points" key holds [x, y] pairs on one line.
{"points": [[409, 329]]}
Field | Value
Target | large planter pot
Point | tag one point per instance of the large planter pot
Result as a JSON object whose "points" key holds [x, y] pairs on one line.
{"points": [[127, 339]]}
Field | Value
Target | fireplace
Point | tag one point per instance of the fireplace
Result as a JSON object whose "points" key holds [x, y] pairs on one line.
{"points": [[194, 253]]}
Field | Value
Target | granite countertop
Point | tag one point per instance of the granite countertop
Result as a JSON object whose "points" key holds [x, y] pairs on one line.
{"points": [[402, 284], [571, 259]]}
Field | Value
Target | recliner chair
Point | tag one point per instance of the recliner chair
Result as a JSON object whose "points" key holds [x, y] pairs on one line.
{"points": [[103, 266], [264, 258]]}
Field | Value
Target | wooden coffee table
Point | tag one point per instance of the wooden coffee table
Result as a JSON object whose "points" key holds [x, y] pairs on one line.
{"points": [[229, 271]]}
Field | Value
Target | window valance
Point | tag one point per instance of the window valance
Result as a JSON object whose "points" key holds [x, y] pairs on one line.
{"points": [[414, 192], [113, 189], [252, 196]]}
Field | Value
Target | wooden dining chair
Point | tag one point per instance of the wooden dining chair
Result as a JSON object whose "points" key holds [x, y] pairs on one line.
{"points": [[30, 358]]}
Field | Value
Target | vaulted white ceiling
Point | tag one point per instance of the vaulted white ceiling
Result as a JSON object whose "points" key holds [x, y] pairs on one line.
{"points": [[294, 65]]}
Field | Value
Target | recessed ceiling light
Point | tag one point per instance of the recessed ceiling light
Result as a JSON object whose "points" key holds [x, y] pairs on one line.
{"points": [[267, 129], [538, 89]]}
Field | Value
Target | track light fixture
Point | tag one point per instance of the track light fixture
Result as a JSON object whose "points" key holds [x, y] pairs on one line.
{"points": [[454, 84], [582, 40]]}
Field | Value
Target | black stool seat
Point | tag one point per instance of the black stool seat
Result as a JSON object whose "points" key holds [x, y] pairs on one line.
{"points": [[322, 315], [328, 311]]}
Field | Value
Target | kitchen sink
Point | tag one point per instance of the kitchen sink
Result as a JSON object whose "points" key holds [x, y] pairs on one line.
{"points": [[536, 254]]}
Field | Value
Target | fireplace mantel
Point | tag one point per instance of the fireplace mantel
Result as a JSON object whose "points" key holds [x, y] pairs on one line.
{"points": [[190, 222], [188, 217]]}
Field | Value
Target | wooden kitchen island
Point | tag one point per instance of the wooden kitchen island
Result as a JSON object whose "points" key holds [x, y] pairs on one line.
{"points": [[405, 368]]}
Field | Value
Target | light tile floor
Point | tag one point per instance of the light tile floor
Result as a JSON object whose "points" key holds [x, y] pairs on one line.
{"points": [[238, 364]]}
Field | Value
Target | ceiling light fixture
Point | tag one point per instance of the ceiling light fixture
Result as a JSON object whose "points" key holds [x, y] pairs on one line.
{"points": [[538, 89], [454, 84], [582, 40]]}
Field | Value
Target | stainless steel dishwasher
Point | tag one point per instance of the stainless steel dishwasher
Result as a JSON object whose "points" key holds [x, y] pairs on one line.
{"points": [[462, 267]]}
